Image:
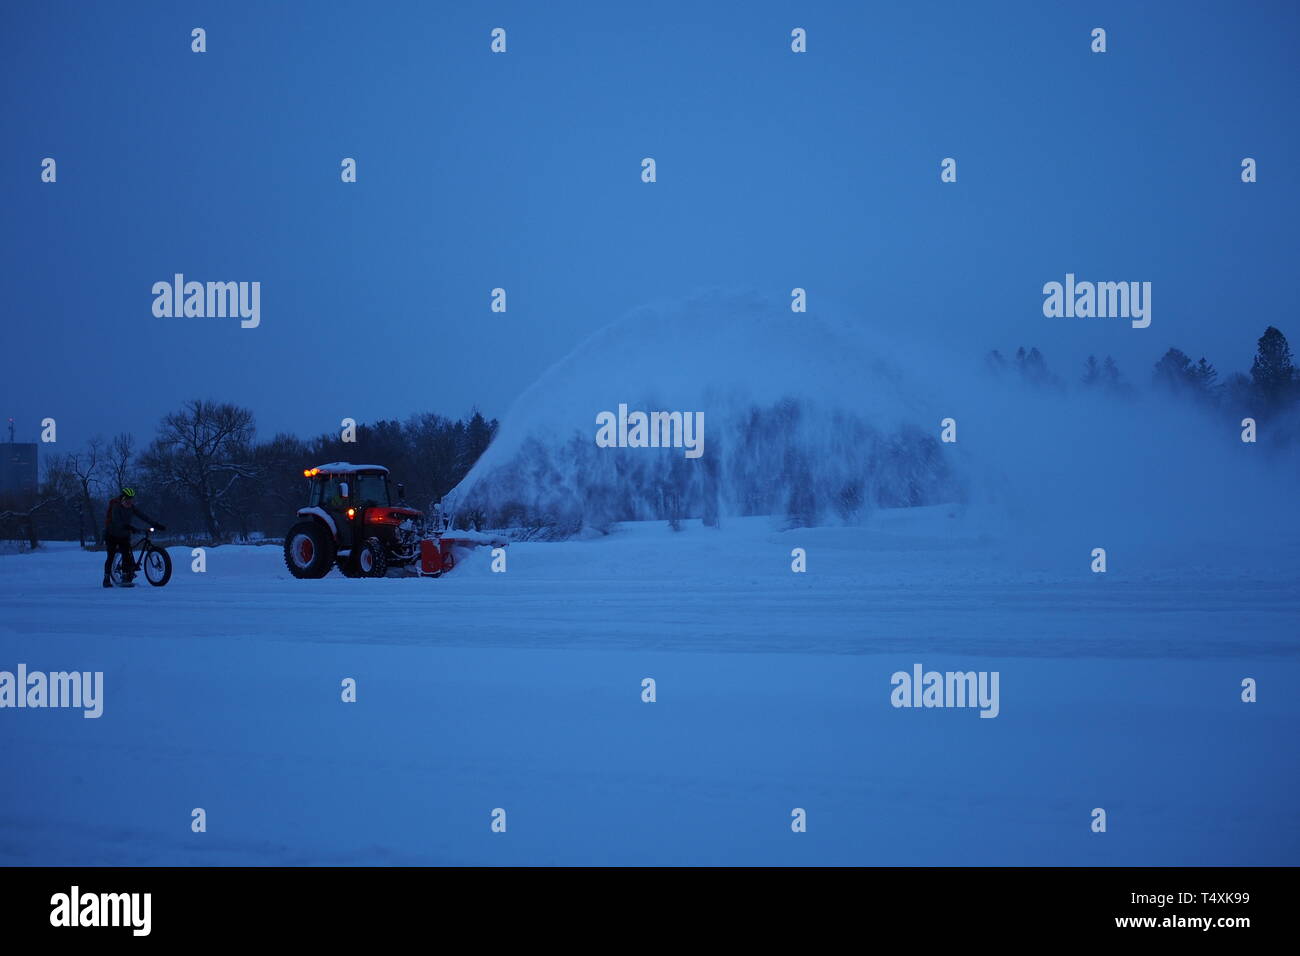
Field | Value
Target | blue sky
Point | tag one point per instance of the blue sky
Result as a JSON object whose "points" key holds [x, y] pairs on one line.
{"points": [[522, 171]]}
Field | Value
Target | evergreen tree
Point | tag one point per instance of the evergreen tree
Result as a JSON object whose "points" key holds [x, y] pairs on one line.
{"points": [[1272, 372], [1203, 377], [1091, 371], [1112, 380], [1173, 371], [477, 437], [1033, 367], [1176, 373], [1238, 394]]}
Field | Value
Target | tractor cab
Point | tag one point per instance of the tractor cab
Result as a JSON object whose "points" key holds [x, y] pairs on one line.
{"points": [[340, 490]]}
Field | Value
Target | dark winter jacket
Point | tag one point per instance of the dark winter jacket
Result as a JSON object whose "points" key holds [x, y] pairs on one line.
{"points": [[118, 522]]}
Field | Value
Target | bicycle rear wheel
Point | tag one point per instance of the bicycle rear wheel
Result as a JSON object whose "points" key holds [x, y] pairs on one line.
{"points": [[157, 565], [115, 575]]}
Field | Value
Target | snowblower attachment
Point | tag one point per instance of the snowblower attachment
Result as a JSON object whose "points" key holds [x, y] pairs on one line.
{"points": [[438, 555]]}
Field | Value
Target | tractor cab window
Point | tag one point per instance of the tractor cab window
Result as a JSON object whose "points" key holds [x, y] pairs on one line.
{"points": [[332, 492], [327, 492], [369, 491]]}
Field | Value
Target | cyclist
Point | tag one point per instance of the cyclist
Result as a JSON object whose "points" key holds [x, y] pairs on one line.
{"points": [[117, 535]]}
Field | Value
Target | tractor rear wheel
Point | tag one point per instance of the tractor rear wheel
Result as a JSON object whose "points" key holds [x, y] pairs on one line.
{"points": [[308, 550]]}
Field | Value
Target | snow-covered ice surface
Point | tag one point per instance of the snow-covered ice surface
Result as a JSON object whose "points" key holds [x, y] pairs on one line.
{"points": [[523, 691]]}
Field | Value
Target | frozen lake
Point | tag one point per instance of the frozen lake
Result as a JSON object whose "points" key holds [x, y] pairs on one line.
{"points": [[522, 691]]}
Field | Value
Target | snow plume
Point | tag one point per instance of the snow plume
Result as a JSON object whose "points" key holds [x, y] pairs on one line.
{"points": [[818, 420], [805, 417]]}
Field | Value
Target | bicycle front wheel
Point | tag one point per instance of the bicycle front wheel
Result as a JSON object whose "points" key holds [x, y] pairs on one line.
{"points": [[157, 566]]}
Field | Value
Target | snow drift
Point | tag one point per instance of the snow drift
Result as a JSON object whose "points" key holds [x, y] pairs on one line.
{"points": [[804, 416]]}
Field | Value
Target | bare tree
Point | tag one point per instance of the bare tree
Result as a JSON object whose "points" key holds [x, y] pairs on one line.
{"points": [[59, 489], [202, 451], [62, 487], [25, 519], [118, 458], [84, 469]]}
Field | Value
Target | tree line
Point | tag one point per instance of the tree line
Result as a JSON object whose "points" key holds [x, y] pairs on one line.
{"points": [[206, 475], [209, 479], [1271, 388]]}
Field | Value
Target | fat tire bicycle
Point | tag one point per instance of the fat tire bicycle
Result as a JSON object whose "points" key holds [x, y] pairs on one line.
{"points": [[154, 561]]}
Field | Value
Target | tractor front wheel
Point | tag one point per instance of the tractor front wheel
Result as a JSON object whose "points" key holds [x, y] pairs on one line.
{"points": [[348, 564], [308, 550], [372, 559]]}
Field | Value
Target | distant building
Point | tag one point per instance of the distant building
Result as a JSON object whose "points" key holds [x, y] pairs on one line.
{"points": [[17, 468]]}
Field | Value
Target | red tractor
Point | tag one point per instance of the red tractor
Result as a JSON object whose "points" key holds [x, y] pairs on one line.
{"points": [[350, 521]]}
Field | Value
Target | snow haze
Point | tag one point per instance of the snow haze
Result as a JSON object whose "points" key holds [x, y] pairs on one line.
{"points": [[819, 418]]}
